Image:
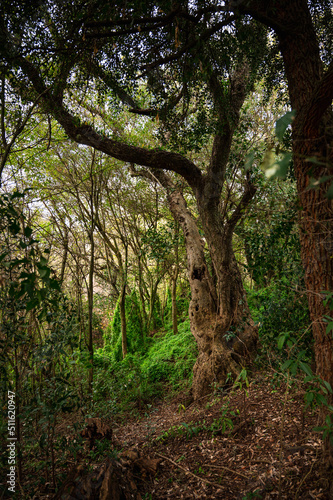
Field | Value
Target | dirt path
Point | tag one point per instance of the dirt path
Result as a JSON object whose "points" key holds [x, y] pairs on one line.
{"points": [[235, 446]]}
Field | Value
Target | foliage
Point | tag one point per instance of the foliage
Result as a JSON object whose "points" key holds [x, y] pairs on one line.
{"points": [[171, 357], [136, 342], [219, 425], [279, 310], [142, 376], [38, 335]]}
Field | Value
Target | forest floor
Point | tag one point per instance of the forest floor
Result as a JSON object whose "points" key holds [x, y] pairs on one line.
{"points": [[234, 445], [269, 450]]}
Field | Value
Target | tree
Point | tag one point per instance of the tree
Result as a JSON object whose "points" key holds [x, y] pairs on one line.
{"points": [[309, 74], [220, 319], [190, 50]]}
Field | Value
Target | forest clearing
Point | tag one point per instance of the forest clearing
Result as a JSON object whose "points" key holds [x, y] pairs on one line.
{"points": [[166, 249]]}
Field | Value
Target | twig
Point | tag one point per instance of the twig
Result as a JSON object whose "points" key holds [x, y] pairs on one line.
{"points": [[203, 397], [226, 468], [189, 472], [306, 476], [281, 431]]}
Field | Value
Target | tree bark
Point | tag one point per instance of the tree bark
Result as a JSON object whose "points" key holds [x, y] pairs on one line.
{"points": [[174, 278], [174, 314], [220, 319], [312, 138], [311, 93]]}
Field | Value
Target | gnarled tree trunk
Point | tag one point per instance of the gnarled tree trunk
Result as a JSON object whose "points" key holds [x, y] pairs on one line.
{"points": [[219, 315]]}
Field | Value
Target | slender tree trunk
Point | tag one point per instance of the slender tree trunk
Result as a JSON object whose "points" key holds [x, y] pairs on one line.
{"points": [[18, 418], [91, 294], [122, 306], [175, 273], [142, 298], [174, 312], [152, 300], [64, 257], [122, 310]]}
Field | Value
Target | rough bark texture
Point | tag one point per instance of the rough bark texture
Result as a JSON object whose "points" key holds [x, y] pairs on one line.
{"points": [[312, 137], [219, 316], [311, 93]]}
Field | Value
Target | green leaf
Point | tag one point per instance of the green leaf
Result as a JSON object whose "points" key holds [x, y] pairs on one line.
{"points": [[43, 271], [329, 193], [281, 341], [283, 123], [249, 161], [43, 261], [328, 386], [321, 399], [306, 368], [279, 168], [14, 228], [309, 396], [31, 304], [286, 364], [329, 327], [27, 232], [315, 161]]}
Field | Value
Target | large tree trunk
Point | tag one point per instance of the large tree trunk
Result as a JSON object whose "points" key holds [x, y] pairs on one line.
{"points": [[311, 93], [220, 319], [312, 138]]}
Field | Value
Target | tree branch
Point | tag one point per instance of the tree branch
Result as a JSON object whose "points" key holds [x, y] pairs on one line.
{"points": [[228, 105], [86, 134], [197, 42], [248, 194]]}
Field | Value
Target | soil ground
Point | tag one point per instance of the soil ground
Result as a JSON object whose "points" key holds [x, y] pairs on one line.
{"points": [[268, 451], [257, 443]]}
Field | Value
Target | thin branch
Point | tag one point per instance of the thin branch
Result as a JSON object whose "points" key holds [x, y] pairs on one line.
{"points": [[191, 473], [197, 42], [248, 194]]}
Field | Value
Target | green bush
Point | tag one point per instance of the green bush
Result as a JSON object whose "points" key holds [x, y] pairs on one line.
{"points": [[280, 309], [141, 377], [136, 335], [171, 357]]}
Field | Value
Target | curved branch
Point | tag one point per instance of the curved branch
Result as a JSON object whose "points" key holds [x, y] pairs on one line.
{"points": [[238, 213], [197, 42], [86, 134]]}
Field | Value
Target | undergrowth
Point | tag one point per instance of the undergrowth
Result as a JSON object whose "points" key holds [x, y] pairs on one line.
{"points": [[166, 365]]}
